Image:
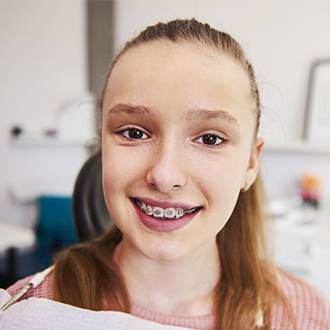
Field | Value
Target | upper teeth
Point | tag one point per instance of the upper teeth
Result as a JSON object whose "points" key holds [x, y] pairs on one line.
{"points": [[160, 213]]}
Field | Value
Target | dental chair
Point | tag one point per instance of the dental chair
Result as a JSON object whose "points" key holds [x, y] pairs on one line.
{"points": [[91, 215]]}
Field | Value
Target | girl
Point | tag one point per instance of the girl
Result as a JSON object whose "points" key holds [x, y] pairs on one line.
{"points": [[180, 154]]}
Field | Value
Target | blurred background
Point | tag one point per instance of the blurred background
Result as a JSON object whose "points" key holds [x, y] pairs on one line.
{"points": [[53, 62]]}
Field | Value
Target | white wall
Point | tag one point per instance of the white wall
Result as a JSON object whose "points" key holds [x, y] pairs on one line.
{"points": [[43, 66], [282, 40]]}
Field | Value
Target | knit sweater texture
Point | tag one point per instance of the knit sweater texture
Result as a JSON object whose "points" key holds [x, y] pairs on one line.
{"points": [[311, 309]]}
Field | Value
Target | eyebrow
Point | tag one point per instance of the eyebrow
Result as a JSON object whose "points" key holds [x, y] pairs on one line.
{"points": [[123, 108], [211, 114]]}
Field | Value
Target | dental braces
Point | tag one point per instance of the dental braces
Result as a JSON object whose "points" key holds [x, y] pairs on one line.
{"points": [[167, 214]]}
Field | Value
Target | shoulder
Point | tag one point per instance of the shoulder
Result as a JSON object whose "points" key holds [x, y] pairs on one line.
{"points": [[309, 306], [43, 290]]}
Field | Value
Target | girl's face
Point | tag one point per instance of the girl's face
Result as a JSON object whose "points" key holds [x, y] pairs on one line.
{"points": [[178, 145]]}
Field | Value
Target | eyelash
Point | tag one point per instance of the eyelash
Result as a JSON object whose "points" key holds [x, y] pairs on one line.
{"points": [[217, 145], [128, 129]]}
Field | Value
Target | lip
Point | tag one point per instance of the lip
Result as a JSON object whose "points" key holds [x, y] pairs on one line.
{"points": [[163, 225]]}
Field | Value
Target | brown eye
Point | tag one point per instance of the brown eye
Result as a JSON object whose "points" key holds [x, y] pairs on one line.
{"points": [[134, 134], [210, 139]]}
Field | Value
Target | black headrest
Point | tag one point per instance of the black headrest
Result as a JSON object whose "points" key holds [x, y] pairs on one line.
{"points": [[90, 212]]}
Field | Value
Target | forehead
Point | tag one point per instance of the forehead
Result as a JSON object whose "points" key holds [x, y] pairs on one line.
{"points": [[165, 69], [196, 57]]}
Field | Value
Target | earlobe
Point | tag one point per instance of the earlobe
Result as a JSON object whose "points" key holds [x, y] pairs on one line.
{"points": [[253, 168]]}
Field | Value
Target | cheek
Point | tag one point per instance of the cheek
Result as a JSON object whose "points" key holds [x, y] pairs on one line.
{"points": [[112, 174], [221, 186], [121, 168], [221, 177], [118, 175]]}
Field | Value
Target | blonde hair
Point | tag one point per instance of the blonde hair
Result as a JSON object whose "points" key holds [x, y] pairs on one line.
{"points": [[85, 275]]}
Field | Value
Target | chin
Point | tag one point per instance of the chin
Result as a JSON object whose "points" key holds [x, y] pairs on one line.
{"points": [[166, 250]]}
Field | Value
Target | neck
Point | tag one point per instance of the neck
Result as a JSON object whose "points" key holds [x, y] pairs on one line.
{"points": [[182, 287]]}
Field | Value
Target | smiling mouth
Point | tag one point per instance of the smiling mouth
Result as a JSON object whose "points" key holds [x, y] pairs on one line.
{"points": [[169, 213]]}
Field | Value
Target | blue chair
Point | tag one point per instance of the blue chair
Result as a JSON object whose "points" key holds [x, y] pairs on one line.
{"points": [[56, 226]]}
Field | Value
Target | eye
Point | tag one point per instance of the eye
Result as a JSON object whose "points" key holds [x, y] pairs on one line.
{"points": [[134, 134], [211, 140]]}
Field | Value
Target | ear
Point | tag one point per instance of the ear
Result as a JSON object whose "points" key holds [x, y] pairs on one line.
{"points": [[100, 134], [253, 167]]}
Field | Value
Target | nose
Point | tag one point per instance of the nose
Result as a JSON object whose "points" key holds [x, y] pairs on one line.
{"points": [[166, 172]]}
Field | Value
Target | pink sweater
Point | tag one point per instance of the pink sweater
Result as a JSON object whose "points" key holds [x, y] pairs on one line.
{"points": [[311, 309]]}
